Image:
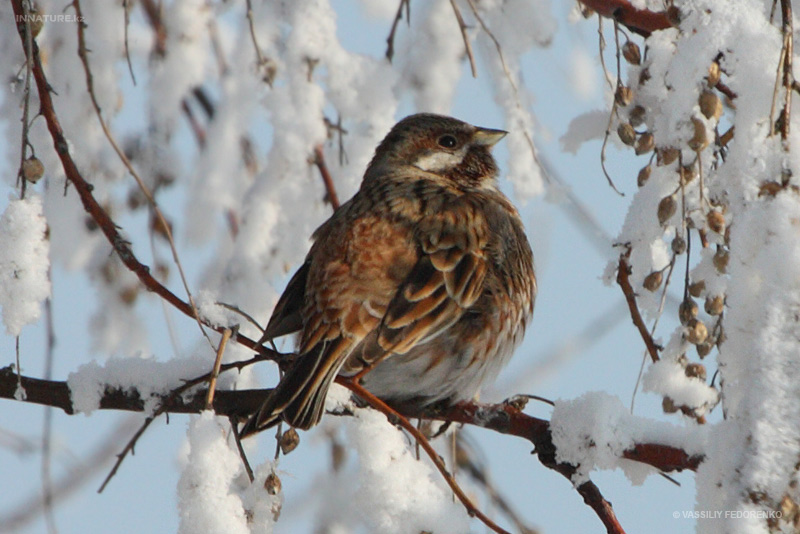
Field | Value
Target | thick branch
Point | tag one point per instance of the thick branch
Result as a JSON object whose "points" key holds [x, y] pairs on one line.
{"points": [[641, 21], [502, 418]]}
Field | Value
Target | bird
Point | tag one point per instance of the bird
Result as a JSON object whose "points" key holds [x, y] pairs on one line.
{"points": [[422, 284]]}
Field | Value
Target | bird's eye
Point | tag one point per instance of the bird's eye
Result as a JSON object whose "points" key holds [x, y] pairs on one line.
{"points": [[448, 141]]}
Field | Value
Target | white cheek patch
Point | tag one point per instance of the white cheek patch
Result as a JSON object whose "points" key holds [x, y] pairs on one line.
{"points": [[440, 160]]}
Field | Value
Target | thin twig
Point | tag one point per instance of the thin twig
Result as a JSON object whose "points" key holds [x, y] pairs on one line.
{"points": [[381, 406], [397, 18], [467, 45], [212, 381], [235, 430], [28, 43], [126, 7], [83, 54], [90, 204], [330, 189], [788, 73], [47, 430], [623, 274]]}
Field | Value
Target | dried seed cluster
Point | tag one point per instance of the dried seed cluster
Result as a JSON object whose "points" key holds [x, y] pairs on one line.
{"points": [[691, 220]]}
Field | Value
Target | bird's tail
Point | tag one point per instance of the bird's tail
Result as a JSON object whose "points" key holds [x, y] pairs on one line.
{"points": [[299, 398]]}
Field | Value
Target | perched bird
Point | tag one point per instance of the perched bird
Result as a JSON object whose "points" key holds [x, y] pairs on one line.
{"points": [[424, 278]]}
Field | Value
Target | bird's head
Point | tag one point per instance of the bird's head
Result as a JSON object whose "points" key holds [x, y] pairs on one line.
{"points": [[440, 145]]}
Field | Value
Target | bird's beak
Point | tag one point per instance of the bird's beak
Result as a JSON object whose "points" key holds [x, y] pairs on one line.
{"points": [[487, 136]]}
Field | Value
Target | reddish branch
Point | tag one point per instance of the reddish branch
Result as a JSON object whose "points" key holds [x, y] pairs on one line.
{"points": [[502, 418], [623, 279], [84, 189], [641, 21], [330, 189]]}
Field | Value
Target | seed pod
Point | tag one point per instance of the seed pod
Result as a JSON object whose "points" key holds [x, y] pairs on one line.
{"points": [[770, 189], [714, 305], [720, 260], [704, 348], [129, 294], [713, 74], [644, 144], [636, 116], [666, 209], [716, 221], [687, 311], [32, 169], [623, 95], [696, 370], [696, 332], [631, 53], [272, 484], [644, 175], [289, 441], [652, 281], [626, 133], [678, 245], [687, 174], [696, 288], [666, 156], [699, 139], [668, 405], [710, 105]]}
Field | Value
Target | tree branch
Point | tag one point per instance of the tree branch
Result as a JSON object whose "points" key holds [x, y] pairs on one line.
{"points": [[503, 418], [84, 189], [641, 21]]}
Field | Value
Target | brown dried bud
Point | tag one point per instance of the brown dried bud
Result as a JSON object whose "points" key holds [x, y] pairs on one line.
{"points": [[665, 156], [699, 139], [652, 281], [626, 133], [645, 144], [696, 332], [713, 74], [666, 209], [668, 405], [128, 295], [721, 259], [687, 311], [623, 95], [716, 221], [714, 305], [704, 348], [678, 245], [272, 484], [636, 116], [289, 441], [697, 288], [631, 53], [644, 175], [710, 105], [687, 174], [32, 169], [770, 189], [160, 226], [696, 370]]}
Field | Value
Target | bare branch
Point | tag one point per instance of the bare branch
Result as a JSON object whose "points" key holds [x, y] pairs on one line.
{"points": [[623, 274]]}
